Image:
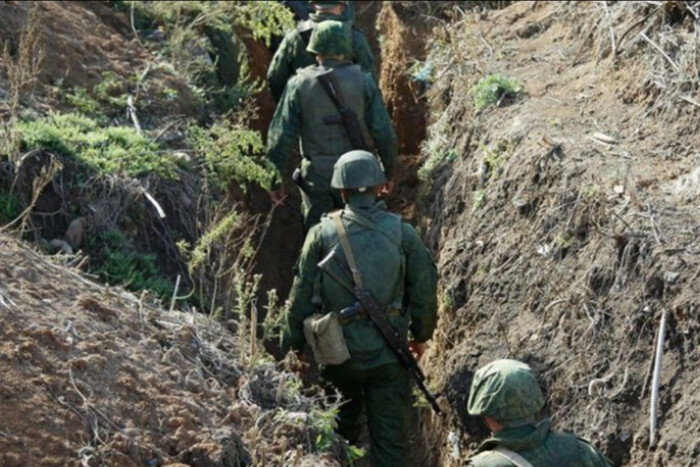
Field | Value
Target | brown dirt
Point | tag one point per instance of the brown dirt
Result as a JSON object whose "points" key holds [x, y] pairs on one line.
{"points": [[89, 375], [403, 44], [557, 248], [80, 40]]}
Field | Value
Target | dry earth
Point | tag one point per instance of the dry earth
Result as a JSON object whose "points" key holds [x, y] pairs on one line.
{"points": [[566, 222]]}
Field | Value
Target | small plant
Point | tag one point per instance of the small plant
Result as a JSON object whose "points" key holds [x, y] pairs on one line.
{"points": [[229, 152], [81, 101], [433, 161], [9, 206], [325, 423], [123, 265], [479, 199], [493, 89]]}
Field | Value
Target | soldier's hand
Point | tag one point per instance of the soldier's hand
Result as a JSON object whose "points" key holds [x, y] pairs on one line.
{"points": [[299, 366], [417, 349], [278, 196], [387, 189]]}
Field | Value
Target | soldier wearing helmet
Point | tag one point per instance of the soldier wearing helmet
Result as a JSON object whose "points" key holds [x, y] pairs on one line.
{"points": [[397, 269], [293, 55], [308, 117], [506, 394]]}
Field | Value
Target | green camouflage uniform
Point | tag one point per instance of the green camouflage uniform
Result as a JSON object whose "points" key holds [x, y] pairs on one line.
{"points": [[299, 118], [292, 55], [399, 272], [507, 391], [541, 447]]}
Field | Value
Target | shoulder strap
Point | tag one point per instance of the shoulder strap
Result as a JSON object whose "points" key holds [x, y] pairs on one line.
{"points": [[513, 457], [347, 248]]}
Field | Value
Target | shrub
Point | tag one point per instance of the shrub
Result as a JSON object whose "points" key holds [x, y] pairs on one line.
{"points": [[493, 89], [229, 154], [110, 150]]}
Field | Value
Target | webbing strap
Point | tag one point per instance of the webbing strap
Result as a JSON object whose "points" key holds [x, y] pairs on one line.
{"points": [[347, 248], [514, 457]]}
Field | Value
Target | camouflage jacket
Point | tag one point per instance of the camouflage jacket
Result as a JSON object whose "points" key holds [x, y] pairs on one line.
{"points": [[541, 447], [408, 287], [288, 123], [292, 55]]}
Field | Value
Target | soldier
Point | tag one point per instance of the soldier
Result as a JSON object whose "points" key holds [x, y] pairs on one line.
{"points": [[292, 53], [393, 264], [308, 113], [506, 394]]}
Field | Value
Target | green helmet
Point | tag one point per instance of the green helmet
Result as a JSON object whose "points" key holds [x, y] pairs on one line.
{"points": [[507, 391], [330, 38], [327, 3], [358, 170]]}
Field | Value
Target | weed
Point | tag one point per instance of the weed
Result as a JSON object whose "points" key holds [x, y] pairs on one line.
{"points": [[325, 423], [123, 265], [110, 150], [81, 101], [479, 199], [591, 191], [433, 161], [229, 152], [493, 89], [9, 206]]}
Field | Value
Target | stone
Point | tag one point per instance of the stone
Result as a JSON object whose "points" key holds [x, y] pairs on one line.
{"points": [[61, 246], [75, 235], [672, 277]]}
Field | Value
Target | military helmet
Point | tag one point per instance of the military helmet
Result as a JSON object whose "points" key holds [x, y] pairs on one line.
{"points": [[330, 38], [327, 3], [358, 170], [507, 391]]}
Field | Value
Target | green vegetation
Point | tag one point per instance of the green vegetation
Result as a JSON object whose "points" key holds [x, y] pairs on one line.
{"points": [[122, 265], [434, 160], [9, 206], [110, 150], [493, 89], [229, 153]]}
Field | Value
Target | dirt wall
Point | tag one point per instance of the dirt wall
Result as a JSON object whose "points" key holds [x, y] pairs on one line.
{"points": [[566, 223]]}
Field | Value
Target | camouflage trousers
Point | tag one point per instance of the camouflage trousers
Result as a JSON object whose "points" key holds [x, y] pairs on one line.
{"points": [[385, 393], [317, 197]]}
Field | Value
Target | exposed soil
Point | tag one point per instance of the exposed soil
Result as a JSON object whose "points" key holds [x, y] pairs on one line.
{"points": [[91, 376], [567, 222]]}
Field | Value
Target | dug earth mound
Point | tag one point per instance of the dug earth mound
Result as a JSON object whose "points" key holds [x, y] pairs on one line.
{"points": [[565, 217]]}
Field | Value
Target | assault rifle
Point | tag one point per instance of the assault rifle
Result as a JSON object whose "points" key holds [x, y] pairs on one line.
{"points": [[347, 117], [368, 304]]}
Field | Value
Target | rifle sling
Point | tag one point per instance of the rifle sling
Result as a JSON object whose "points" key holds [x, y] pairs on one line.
{"points": [[513, 457], [347, 248]]}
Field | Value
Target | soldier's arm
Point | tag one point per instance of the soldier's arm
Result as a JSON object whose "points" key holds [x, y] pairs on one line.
{"points": [[421, 286], [380, 126], [281, 67], [591, 456], [283, 135], [302, 292], [362, 54]]}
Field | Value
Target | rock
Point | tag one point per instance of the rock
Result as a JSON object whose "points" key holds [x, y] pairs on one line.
{"points": [[75, 235], [61, 246], [672, 277]]}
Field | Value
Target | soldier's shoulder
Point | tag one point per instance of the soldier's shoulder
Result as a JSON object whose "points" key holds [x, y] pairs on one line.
{"points": [[304, 26], [591, 454], [488, 459]]}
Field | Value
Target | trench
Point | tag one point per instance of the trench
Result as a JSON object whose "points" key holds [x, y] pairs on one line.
{"points": [[398, 37]]}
